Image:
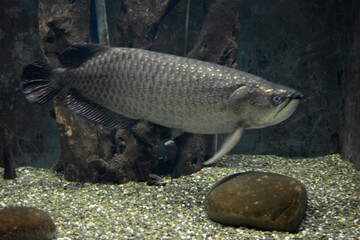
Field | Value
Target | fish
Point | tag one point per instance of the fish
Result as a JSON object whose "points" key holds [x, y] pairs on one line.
{"points": [[116, 87]]}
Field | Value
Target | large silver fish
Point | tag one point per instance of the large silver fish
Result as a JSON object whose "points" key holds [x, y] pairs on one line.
{"points": [[118, 86]]}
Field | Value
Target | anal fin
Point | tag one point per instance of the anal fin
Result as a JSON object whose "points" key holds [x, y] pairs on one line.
{"points": [[229, 143], [95, 112]]}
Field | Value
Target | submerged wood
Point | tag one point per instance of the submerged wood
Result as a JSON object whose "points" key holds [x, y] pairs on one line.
{"points": [[138, 22], [8, 159], [9, 164]]}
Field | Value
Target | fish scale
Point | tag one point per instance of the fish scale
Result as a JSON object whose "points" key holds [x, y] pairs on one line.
{"points": [[134, 96]]}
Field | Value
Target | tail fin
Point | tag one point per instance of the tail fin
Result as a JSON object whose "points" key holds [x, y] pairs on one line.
{"points": [[36, 84]]}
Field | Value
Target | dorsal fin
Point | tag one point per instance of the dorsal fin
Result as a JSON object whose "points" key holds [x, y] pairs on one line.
{"points": [[76, 54]]}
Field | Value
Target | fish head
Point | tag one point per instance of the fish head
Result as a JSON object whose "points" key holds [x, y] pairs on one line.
{"points": [[262, 103]]}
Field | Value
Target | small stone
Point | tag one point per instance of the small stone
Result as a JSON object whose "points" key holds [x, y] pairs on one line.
{"points": [[26, 223], [265, 201]]}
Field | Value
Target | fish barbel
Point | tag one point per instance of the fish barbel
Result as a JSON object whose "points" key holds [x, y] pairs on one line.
{"points": [[119, 86]]}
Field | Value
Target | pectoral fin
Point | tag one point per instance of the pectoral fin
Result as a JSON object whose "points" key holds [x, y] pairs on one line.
{"points": [[174, 139], [229, 143]]}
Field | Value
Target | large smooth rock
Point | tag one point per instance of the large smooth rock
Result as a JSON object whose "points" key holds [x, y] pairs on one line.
{"points": [[25, 223], [266, 201]]}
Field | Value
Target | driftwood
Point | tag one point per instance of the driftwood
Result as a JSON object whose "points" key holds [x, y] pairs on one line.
{"points": [[8, 160], [216, 42], [138, 22], [350, 135]]}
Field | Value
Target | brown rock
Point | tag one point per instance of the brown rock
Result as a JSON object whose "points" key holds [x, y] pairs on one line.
{"points": [[266, 201], [25, 223]]}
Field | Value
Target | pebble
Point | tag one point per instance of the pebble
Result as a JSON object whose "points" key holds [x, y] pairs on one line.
{"points": [[332, 185], [261, 200]]}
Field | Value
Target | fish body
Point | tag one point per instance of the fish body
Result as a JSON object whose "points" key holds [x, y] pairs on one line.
{"points": [[118, 86]]}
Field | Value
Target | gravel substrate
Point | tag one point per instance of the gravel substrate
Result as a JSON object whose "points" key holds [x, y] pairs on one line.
{"points": [[175, 211]]}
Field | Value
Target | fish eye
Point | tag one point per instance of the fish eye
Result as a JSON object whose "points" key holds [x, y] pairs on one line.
{"points": [[277, 99]]}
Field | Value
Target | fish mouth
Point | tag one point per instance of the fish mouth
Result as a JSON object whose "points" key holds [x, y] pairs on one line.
{"points": [[296, 95], [289, 108], [293, 96]]}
